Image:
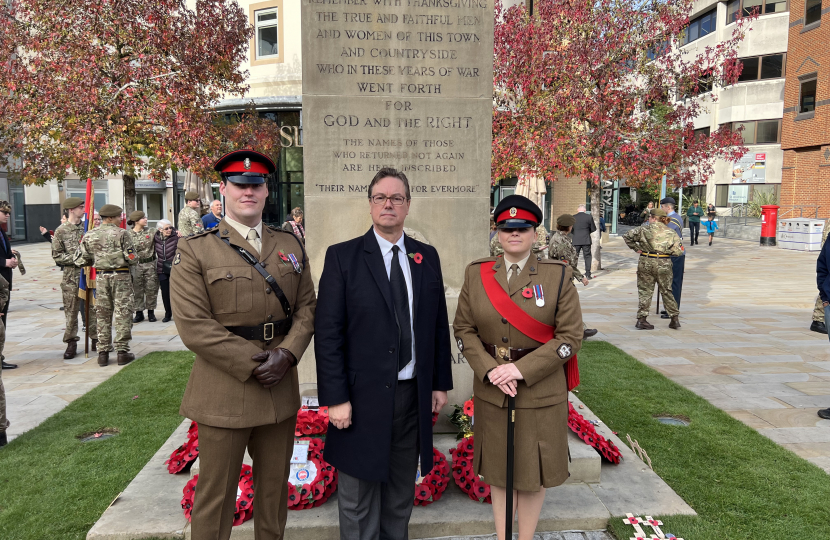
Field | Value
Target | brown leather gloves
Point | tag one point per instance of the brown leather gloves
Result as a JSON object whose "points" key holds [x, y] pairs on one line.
{"points": [[275, 363]]}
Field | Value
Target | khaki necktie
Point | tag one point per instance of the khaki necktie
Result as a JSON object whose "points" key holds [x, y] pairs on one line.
{"points": [[514, 275], [253, 239]]}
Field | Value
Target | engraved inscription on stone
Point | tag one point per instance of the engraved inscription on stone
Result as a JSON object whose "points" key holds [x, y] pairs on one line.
{"points": [[402, 48]]}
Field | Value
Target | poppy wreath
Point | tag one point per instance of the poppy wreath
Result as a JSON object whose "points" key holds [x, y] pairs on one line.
{"points": [[312, 422], [244, 502], [319, 489], [435, 482], [183, 457], [586, 431], [465, 477]]}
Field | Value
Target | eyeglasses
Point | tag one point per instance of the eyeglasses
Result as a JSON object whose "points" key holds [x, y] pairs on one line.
{"points": [[8, 213], [397, 200], [167, 228]]}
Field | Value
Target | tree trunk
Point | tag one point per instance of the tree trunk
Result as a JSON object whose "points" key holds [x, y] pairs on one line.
{"points": [[596, 254], [129, 193]]}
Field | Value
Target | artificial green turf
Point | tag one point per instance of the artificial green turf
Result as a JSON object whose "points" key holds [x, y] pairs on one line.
{"points": [[54, 487], [741, 484]]}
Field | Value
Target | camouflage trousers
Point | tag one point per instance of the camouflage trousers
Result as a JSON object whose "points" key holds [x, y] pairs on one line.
{"points": [[114, 298], [72, 305], [145, 286], [4, 422], [818, 311], [651, 271]]}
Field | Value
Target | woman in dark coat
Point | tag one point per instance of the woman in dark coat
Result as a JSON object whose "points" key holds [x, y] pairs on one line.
{"points": [[166, 240]]}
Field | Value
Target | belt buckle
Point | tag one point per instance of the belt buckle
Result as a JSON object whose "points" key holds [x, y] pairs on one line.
{"points": [[504, 353], [265, 328]]}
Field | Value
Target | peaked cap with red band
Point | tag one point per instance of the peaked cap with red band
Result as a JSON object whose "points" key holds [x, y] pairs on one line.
{"points": [[245, 167], [517, 212]]}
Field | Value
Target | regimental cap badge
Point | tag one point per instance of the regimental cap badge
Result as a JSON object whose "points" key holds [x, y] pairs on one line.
{"points": [[513, 212], [247, 164]]}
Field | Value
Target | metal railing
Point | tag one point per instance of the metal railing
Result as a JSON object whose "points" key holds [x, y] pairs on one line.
{"points": [[800, 208]]}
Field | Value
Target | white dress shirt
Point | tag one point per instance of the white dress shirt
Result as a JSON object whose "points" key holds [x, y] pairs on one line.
{"points": [[521, 265], [408, 372]]}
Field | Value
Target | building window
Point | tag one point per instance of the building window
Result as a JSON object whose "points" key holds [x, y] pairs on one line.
{"points": [[267, 43], [700, 26], [738, 8], [759, 68], [759, 131], [721, 194], [813, 12], [807, 101], [702, 132]]}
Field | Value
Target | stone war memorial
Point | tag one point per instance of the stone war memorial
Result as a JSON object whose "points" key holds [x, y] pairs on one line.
{"points": [[405, 84]]}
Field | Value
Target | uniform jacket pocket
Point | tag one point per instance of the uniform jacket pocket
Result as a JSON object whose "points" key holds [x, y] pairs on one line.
{"points": [[230, 289]]}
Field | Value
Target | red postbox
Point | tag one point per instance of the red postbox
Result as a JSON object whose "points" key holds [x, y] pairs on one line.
{"points": [[769, 222]]}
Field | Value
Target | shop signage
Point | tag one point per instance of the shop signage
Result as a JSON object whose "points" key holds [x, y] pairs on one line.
{"points": [[750, 169], [738, 194]]}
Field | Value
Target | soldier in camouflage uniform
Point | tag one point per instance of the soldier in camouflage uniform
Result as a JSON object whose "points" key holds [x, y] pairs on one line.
{"points": [[110, 249], [4, 421], [562, 249], [145, 278], [540, 246], [190, 222], [656, 243], [818, 312], [65, 243]]}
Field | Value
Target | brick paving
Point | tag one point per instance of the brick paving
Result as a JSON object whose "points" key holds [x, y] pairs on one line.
{"points": [[745, 344]]}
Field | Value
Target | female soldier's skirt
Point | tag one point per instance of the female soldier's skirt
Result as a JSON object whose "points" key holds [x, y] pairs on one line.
{"points": [[540, 446]]}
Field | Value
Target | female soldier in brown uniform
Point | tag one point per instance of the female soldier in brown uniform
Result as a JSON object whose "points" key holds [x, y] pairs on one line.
{"points": [[506, 361]]}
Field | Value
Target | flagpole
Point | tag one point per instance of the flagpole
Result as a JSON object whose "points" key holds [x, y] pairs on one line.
{"points": [[86, 326]]}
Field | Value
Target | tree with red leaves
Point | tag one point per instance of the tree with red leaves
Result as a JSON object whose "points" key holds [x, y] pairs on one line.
{"points": [[601, 90], [115, 86]]}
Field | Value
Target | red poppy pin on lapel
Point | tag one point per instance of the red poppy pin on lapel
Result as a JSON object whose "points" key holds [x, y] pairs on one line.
{"points": [[417, 257], [527, 292]]}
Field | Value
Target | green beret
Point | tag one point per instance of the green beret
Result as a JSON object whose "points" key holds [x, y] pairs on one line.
{"points": [[658, 212], [565, 220], [135, 216], [191, 196], [109, 210], [71, 202]]}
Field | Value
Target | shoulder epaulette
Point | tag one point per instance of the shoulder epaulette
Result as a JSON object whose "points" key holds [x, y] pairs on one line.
{"points": [[552, 261], [484, 260], [197, 235]]}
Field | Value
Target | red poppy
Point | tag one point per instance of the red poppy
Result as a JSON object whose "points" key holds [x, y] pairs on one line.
{"points": [[468, 407], [527, 292]]}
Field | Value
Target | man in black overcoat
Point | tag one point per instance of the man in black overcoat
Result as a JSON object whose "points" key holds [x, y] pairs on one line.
{"points": [[8, 262], [583, 227], [382, 346]]}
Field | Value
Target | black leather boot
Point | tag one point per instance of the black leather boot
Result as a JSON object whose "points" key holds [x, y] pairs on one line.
{"points": [[139, 316], [151, 316]]}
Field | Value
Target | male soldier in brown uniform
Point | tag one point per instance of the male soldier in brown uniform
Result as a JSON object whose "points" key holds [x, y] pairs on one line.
{"points": [[248, 333], [492, 329]]}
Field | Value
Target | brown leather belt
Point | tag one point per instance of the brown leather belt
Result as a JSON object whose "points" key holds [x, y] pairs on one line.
{"points": [[507, 353]]}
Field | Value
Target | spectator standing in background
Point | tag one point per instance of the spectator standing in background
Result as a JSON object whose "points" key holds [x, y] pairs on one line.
{"points": [[190, 221], [212, 219], [8, 262], [711, 210], [678, 262], [644, 215], [166, 241], [295, 224], [583, 227], [694, 214], [4, 421], [823, 282], [145, 279]]}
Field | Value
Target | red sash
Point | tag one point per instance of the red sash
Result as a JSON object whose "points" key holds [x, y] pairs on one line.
{"points": [[523, 321]]}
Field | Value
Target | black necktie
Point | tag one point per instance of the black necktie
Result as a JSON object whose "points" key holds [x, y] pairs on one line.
{"points": [[400, 298]]}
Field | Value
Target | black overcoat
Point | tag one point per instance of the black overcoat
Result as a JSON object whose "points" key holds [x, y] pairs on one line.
{"points": [[355, 344]]}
